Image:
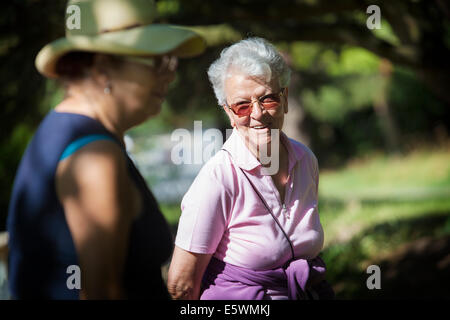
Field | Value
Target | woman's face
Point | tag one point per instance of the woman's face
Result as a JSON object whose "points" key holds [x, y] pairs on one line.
{"points": [[140, 89], [256, 127]]}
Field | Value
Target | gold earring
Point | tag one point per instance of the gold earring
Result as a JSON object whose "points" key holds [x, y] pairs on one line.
{"points": [[107, 89]]}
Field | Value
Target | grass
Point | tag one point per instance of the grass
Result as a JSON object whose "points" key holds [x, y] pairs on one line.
{"points": [[171, 212], [383, 189], [374, 206], [421, 174], [341, 224]]}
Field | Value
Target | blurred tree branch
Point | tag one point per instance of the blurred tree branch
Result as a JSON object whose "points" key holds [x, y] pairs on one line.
{"points": [[421, 27]]}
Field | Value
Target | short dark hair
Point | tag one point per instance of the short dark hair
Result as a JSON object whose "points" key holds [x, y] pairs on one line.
{"points": [[73, 65]]}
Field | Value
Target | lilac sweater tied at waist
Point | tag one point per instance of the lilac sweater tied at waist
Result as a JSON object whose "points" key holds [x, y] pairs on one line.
{"points": [[304, 279]]}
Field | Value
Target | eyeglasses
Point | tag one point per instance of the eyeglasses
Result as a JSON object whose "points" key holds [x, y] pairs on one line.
{"points": [[159, 63], [267, 102]]}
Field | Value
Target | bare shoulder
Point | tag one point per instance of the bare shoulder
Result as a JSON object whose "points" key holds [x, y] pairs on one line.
{"points": [[96, 176], [98, 162], [100, 204]]}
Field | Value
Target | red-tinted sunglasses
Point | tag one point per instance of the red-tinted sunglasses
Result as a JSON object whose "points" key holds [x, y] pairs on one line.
{"points": [[267, 102]]}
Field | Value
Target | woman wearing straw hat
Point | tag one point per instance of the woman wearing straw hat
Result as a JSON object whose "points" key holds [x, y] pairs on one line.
{"points": [[82, 222]]}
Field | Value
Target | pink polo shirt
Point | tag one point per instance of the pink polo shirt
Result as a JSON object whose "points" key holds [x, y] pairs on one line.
{"points": [[222, 214]]}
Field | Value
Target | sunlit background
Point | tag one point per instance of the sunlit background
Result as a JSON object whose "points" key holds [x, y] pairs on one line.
{"points": [[373, 105]]}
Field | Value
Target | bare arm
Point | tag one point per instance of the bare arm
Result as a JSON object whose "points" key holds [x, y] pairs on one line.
{"points": [[100, 203], [185, 274]]}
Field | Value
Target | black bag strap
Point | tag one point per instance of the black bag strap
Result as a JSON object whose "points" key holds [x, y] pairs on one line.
{"points": [[268, 209]]}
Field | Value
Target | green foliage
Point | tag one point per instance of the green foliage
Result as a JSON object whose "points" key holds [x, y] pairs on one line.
{"points": [[386, 33], [378, 204], [304, 55], [167, 8], [26, 26], [54, 94], [354, 60], [320, 57], [351, 80], [378, 176], [217, 35], [416, 109], [327, 105], [381, 243], [172, 213]]}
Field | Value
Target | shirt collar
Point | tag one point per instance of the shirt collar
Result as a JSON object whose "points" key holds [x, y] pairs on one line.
{"points": [[245, 159], [239, 152], [295, 152]]}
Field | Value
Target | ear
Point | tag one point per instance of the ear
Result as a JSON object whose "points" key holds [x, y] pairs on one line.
{"points": [[99, 71], [285, 97], [230, 115]]}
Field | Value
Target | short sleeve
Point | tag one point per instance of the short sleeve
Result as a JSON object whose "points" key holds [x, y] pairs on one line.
{"points": [[205, 209]]}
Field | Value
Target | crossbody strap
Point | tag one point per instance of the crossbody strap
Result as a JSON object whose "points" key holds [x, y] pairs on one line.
{"points": [[268, 209]]}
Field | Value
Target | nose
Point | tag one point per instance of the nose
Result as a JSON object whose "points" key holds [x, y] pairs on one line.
{"points": [[257, 111]]}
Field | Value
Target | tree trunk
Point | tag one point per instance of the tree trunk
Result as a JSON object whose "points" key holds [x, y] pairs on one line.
{"points": [[382, 110]]}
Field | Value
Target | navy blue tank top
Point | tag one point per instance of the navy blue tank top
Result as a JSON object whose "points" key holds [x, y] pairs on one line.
{"points": [[40, 244]]}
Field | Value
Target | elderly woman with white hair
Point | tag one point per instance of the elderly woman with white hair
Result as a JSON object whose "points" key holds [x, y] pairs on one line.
{"points": [[250, 227]]}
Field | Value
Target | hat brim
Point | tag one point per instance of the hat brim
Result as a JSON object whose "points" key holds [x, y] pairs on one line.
{"points": [[154, 39]]}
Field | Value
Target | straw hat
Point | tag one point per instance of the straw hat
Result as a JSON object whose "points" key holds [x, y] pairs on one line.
{"points": [[122, 27]]}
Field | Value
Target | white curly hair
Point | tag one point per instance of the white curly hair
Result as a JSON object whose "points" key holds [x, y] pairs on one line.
{"points": [[255, 57]]}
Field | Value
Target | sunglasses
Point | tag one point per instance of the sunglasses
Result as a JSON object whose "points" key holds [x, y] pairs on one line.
{"points": [[267, 102], [159, 63]]}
